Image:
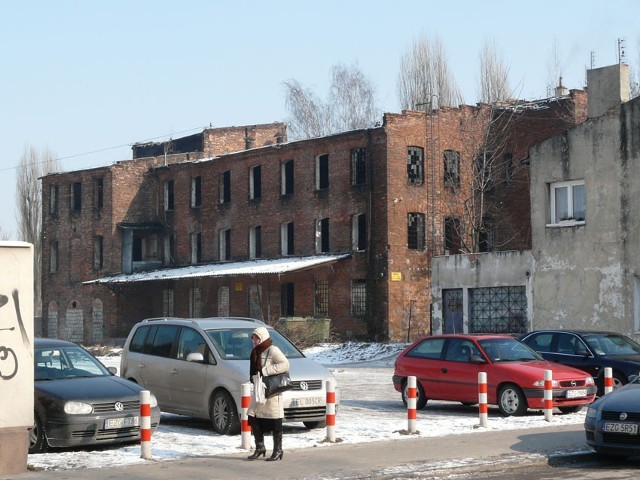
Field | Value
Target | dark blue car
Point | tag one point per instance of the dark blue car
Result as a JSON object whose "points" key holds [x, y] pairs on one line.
{"points": [[590, 351]]}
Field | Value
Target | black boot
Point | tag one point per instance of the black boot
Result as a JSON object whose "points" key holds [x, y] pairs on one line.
{"points": [[259, 438], [277, 447]]}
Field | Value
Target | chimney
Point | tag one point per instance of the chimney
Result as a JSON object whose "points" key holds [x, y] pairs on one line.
{"points": [[561, 90], [607, 87]]}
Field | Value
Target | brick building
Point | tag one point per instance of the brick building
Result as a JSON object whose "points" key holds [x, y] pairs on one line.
{"points": [[238, 221]]}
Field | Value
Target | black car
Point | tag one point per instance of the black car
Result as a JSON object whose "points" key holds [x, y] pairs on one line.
{"points": [[612, 423], [79, 402], [590, 351]]}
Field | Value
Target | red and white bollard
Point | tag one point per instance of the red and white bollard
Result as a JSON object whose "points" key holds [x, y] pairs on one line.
{"points": [[245, 429], [412, 393], [331, 410], [482, 398], [608, 380], [548, 395], [145, 424]]}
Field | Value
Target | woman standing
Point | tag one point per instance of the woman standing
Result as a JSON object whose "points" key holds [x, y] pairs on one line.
{"points": [[266, 359]]}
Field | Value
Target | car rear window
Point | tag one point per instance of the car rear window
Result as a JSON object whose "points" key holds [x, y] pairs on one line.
{"points": [[429, 348]]}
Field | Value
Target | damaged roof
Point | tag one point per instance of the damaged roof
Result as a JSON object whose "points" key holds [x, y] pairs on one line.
{"points": [[229, 269]]}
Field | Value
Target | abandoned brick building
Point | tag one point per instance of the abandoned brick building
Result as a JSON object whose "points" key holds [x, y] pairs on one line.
{"points": [[239, 221]]}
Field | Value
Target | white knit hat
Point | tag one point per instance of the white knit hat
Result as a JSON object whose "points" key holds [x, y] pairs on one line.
{"points": [[262, 333]]}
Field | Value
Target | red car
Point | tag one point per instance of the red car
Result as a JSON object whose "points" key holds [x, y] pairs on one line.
{"points": [[446, 368]]}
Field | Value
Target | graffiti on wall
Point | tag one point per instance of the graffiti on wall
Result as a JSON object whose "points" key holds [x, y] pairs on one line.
{"points": [[8, 358]]}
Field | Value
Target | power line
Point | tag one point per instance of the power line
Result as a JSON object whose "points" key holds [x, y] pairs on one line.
{"points": [[107, 148]]}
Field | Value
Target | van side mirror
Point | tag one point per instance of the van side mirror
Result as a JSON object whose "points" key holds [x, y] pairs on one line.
{"points": [[195, 357]]}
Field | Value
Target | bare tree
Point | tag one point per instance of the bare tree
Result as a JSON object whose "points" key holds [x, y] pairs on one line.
{"points": [[494, 74], [350, 105], [33, 165], [4, 235], [554, 68], [634, 74], [425, 81]]}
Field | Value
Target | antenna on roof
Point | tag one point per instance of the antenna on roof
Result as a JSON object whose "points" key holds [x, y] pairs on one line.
{"points": [[621, 50], [593, 60]]}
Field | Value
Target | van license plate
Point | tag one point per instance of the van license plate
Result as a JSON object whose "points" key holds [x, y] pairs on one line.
{"points": [[307, 402]]}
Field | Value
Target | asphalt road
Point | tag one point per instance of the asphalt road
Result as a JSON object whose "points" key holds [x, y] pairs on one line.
{"points": [[520, 454]]}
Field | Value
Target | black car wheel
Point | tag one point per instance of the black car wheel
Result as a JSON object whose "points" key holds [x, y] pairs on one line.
{"points": [[223, 414], [37, 438], [421, 399], [618, 381], [511, 400]]}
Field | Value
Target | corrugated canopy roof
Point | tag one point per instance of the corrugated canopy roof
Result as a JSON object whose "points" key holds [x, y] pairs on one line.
{"points": [[251, 267]]}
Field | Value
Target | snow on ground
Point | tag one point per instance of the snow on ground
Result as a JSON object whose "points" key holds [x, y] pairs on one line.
{"points": [[370, 410]]}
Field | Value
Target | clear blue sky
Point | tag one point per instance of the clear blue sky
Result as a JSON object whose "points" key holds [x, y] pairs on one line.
{"points": [[97, 76]]}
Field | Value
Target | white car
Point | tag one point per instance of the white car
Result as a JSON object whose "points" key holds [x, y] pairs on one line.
{"points": [[195, 367]]}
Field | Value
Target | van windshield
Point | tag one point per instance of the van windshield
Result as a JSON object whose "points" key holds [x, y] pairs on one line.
{"points": [[235, 343]]}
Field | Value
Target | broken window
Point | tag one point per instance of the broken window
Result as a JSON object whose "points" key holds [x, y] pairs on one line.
{"points": [[452, 236], [358, 298], [98, 252], [508, 168], [451, 168], [196, 192], [98, 193], [76, 196], [322, 172], [168, 196], [195, 302], [358, 166], [196, 247], [415, 231], [223, 301], [225, 187], [53, 258], [286, 238], [322, 235], [169, 253], [567, 202], [255, 242], [486, 236], [359, 232], [255, 182], [286, 300], [415, 165], [167, 302], [321, 299], [224, 241], [53, 200], [286, 178]]}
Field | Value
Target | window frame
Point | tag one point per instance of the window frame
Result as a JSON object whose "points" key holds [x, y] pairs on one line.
{"points": [[416, 231], [358, 166], [570, 220], [196, 191], [451, 168], [322, 172], [415, 165]]}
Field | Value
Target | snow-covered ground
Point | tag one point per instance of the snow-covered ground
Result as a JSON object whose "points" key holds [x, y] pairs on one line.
{"points": [[370, 410]]}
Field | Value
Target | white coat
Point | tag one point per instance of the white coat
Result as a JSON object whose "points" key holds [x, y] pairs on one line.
{"points": [[274, 362]]}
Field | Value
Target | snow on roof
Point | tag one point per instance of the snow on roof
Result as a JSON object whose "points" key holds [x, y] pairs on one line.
{"points": [[252, 267]]}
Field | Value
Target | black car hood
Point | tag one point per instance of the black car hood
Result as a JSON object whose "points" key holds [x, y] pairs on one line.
{"points": [[623, 399], [89, 388]]}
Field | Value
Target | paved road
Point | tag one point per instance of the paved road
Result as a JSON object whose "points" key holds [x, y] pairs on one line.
{"points": [[467, 455]]}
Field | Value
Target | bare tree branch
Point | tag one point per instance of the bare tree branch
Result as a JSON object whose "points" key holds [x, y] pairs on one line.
{"points": [[31, 167], [349, 106], [425, 81], [494, 74]]}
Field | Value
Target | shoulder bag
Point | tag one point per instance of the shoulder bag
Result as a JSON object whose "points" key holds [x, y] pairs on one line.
{"points": [[276, 384]]}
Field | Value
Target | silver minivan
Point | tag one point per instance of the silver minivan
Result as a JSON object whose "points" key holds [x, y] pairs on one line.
{"points": [[195, 367]]}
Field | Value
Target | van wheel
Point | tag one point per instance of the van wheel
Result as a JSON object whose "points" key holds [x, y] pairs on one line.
{"points": [[223, 414], [37, 438], [312, 425]]}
